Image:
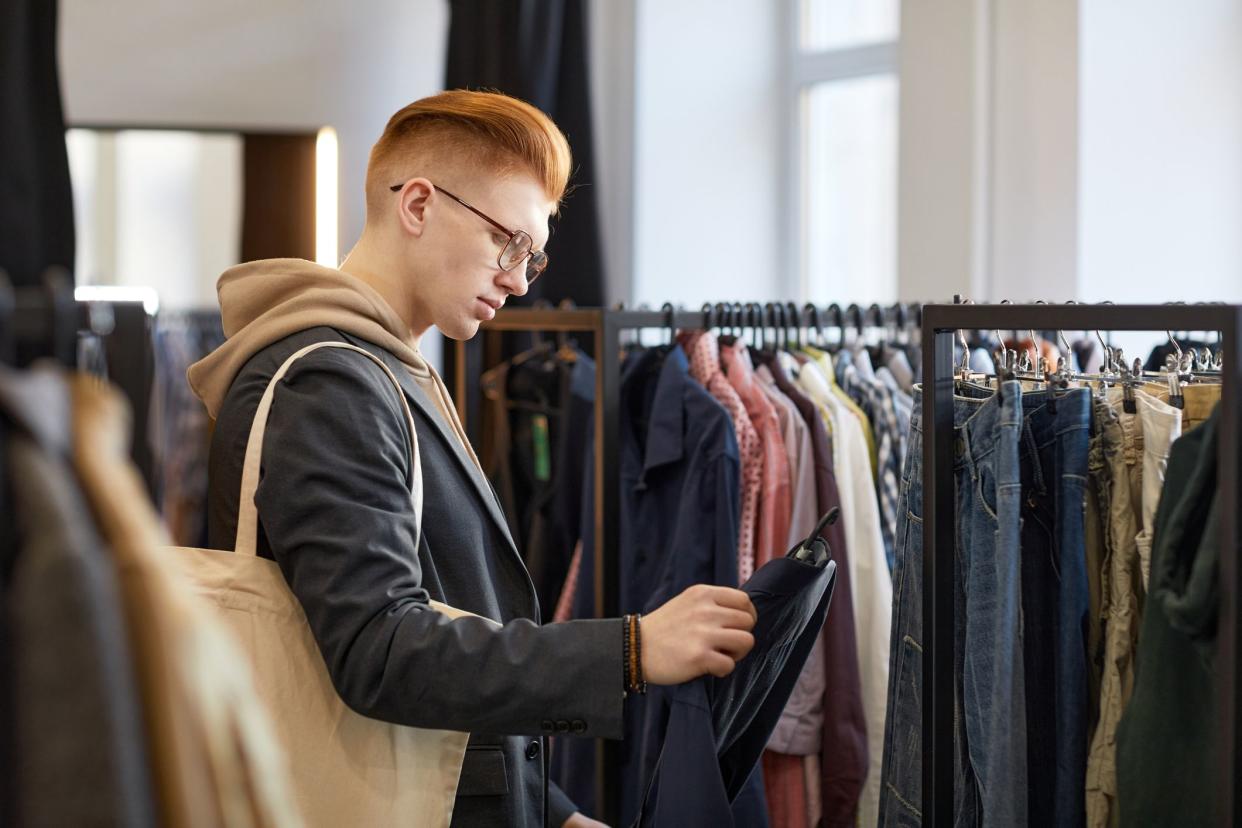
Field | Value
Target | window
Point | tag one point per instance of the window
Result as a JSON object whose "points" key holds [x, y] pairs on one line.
{"points": [[844, 170]]}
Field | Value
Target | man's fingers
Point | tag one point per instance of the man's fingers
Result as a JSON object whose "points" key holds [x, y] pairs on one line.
{"points": [[734, 599], [734, 643], [733, 619]]}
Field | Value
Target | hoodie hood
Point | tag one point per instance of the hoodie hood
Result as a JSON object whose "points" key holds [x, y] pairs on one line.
{"points": [[265, 301]]}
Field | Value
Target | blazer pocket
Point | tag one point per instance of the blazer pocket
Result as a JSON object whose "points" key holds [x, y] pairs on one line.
{"points": [[484, 773]]}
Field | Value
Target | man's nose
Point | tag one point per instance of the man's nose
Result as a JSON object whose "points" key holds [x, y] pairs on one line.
{"points": [[515, 280]]}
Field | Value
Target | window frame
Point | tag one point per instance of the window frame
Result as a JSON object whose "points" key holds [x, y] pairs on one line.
{"points": [[804, 69]]}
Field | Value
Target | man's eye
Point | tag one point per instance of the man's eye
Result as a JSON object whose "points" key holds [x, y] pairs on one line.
{"points": [[499, 240]]}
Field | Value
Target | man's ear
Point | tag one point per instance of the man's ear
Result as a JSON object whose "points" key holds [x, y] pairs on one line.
{"points": [[414, 202]]}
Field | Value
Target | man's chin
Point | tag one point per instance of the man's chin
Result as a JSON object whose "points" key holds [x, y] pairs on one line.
{"points": [[461, 329]]}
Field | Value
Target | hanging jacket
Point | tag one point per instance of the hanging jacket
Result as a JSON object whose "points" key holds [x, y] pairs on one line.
{"points": [[1175, 706], [717, 727]]}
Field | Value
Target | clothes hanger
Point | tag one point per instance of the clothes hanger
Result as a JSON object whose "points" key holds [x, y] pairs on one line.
{"points": [[795, 324], [769, 321], [756, 325], [812, 315], [837, 321]]}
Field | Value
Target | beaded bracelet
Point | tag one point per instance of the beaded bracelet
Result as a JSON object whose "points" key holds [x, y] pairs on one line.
{"points": [[636, 683], [625, 653]]}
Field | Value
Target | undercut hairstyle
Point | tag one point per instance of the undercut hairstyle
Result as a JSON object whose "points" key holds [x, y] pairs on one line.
{"points": [[468, 130]]}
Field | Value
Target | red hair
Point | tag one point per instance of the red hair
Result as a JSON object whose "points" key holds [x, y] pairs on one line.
{"points": [[469, 130]]}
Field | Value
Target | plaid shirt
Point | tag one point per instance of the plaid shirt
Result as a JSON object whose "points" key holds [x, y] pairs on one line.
{"points": [[876, 399]]}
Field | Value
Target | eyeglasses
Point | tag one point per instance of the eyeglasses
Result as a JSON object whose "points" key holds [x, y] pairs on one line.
{"points": [[515, 250]]}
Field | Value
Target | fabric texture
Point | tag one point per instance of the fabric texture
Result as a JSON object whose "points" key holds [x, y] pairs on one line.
{"points": [[875, 399], [784, 779], [1175, 703], [265, 301], [350, 548], [1162, 424], [1053, 468], [679, 490], [775, 505], [990, 742], [36, 196], [80, 750], [870, 581], [730, 719], [703, 350], [346, 767], [1114, 475], [845, 727], [215, 754]]}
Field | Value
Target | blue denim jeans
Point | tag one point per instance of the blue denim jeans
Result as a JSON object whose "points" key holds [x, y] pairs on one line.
{"points": [[990, 712], [1053, 459]]}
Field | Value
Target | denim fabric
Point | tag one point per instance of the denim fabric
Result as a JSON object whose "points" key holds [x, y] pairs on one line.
{"points": [[990, 744], [1053, 461]]}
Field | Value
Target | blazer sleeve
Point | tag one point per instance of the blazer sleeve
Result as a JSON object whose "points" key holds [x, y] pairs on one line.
{"points": [[334, 503]]}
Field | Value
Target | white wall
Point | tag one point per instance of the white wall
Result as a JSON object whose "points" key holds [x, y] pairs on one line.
{"points": [[941, 175], [298, 64], [611, 33], [688, 114], [1161, 148], [988, 180], [234, 63], [1033, 201], [708, 135]]}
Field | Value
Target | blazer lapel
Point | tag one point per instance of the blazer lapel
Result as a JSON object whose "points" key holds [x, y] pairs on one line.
{"points": [[432, 412]]}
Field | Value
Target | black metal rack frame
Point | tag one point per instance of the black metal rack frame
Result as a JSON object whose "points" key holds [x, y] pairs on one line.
{"points": [[940, 322], [606, 327]]}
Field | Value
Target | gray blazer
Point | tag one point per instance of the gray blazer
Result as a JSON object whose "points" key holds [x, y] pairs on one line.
{"points": [[335, 513]]}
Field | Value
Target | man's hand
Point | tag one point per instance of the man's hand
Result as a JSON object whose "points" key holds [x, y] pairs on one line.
{"points": [[578, 820], [705, 629]]}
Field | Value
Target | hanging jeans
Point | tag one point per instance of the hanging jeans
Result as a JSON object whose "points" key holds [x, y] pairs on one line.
{"points": [[990, 757], [1053, 461]]}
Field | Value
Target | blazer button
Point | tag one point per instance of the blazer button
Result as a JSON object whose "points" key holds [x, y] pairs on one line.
{"points": [[548, 726], [579, 726], [532, 750], [562, 726]]}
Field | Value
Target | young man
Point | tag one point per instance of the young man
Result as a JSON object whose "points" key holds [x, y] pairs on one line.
{"points": [[459, 191]]}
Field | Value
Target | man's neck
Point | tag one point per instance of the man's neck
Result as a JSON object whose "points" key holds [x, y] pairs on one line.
{"points": [[364, 264]]}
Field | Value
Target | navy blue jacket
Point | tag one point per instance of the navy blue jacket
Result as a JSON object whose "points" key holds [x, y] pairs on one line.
{"points": [[717, 728], [680, 496]]}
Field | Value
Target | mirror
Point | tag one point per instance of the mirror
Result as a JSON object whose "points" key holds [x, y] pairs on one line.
{"points": [[170, 209]]}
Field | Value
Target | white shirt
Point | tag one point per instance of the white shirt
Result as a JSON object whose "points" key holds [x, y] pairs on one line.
{"points": [[870, 581]]}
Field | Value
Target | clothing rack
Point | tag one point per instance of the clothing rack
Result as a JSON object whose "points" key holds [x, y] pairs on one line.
{"points": [[607, 326], [45, 321], [940, 324]]}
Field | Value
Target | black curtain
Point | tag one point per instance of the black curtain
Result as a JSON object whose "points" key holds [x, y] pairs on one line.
{"points": [[36, 200], [536, 50]]}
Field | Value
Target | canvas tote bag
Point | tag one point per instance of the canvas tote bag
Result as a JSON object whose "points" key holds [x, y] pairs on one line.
{"points": [[347, 769]]}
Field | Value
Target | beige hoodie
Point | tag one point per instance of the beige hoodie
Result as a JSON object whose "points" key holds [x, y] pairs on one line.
{"points": [[265, 301]]}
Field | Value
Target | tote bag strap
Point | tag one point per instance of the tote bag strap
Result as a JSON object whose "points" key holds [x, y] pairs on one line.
{"points": [[248, 514]]}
